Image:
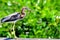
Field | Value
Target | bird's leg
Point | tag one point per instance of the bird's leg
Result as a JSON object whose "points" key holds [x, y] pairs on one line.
{"points": [[14, 30]]}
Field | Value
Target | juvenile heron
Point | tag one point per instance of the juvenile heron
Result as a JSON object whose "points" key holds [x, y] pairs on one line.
{"points": [[14, 17]]}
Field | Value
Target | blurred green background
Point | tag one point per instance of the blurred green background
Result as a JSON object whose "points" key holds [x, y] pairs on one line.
{"points": [[42, 22]]}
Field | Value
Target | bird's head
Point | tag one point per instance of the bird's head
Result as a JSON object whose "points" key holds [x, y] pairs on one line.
{"points": [[25, 8], [23, 11]]}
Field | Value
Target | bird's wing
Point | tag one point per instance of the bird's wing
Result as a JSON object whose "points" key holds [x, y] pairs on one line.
{"points": [[11, 17], [5, 19], [15, 17]]}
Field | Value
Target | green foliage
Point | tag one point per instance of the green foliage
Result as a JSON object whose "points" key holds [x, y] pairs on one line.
{"points": [[42, 22]]}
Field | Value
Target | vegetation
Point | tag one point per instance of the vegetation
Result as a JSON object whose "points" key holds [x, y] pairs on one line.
{"points": [[42, 22]]}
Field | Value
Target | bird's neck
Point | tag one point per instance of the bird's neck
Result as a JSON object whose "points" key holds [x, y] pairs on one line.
{"points": [[23, 13]]}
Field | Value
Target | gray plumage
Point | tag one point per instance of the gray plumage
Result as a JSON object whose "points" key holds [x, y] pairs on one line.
{"points": [[12, 17]]}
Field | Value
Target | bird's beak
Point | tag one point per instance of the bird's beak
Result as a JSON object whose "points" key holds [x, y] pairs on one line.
{"points": [[28, 9]]}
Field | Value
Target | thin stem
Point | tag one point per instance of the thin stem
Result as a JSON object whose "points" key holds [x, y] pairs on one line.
{"points": [[14, 30], [9, 34]]}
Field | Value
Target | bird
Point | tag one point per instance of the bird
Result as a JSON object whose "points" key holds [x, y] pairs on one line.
{"points": [[14, 17]]}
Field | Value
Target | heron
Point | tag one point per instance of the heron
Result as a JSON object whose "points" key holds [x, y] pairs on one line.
{"points": [[14, 17]]}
